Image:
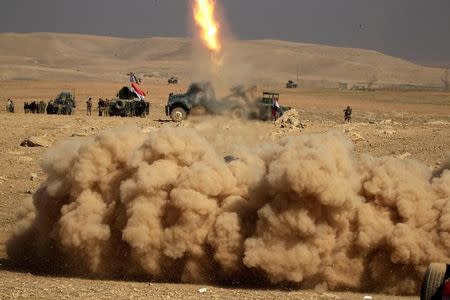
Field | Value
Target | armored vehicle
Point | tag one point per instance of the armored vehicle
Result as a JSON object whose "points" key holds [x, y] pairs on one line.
{"points": [[64, 104], [265, 105], [200, 98], [128, 104], [172, 80], [291, 85]]}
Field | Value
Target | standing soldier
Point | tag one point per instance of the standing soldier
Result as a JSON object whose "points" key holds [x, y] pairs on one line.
{"points": [[106, 108], [276, 108], [11, 106], [100, 106], [8, 105], [348, 114], [89, 107]]}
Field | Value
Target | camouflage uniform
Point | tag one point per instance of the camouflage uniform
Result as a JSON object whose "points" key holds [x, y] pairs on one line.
{"points": [[348, 114], [106, 108], [10, 106], [89, 107], [100, 107]]}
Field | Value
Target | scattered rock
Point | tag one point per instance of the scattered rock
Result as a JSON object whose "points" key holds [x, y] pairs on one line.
{"points": [[33, 176], [202, 290], [367, 298], [3, 178], [404, 155], [388, 121], [79, 134], [439, 122], [34, 141], [15, 152], [349, 129], [290, 119], [24, 159], [331, 296], [388, 131], [356, 137]]}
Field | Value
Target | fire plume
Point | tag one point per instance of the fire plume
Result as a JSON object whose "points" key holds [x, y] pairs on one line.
{"points": [[205, 18]]}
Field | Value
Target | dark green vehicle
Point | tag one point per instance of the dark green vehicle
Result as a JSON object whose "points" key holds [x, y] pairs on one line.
{"points": [[64, 104], [128, 104], [200, 99]]}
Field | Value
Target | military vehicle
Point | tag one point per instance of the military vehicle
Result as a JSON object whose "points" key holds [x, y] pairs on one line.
{"points": [[291, 85], [265, 105], [172, 80], [200, 98], [128, 104], [64, 104]]}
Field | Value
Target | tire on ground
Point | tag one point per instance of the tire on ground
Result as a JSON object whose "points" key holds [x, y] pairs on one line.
{"points": [[237, 113], [178, 114], [433, 280]]}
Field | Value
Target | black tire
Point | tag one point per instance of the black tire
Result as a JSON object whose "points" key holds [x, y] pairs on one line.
{"points": [[120, 104], [178, 114], [238, 113], [432, 281]]}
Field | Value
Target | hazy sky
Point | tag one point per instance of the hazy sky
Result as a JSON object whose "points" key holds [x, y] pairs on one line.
{"points": [[413, 29]]}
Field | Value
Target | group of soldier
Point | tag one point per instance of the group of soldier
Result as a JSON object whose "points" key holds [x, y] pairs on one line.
{"points": [[102, 107], [35, 107], [136, 108]]}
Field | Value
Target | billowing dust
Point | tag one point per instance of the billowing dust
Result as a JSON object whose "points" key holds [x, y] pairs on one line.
{"points": [[305, 212]]}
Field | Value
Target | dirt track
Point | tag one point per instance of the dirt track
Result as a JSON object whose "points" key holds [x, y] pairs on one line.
{"points": [[419, 129]]}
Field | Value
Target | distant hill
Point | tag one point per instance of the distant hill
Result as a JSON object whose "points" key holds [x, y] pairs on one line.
{"points": [[52, 56]]}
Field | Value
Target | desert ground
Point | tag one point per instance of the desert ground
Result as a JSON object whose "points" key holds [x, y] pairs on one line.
{"points": [[413, 125], [404, 124]]}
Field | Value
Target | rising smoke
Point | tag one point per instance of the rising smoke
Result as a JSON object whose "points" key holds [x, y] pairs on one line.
{"points": [[306, 211]]}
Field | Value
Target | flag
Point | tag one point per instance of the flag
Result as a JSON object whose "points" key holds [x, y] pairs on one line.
{"points": [[139, 93]]}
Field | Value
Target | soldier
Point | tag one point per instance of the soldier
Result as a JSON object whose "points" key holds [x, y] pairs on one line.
{"points": [[89, 107], [8, 105], [106, 108], [276, 108], [348, 114], [42, 107], [50, 107], [101, 104]]}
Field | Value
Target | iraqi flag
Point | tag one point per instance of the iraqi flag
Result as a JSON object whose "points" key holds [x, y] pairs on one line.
{"points": [[140, 93]]}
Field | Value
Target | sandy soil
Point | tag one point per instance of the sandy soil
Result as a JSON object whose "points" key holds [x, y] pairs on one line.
{"points": [[414, 125]]}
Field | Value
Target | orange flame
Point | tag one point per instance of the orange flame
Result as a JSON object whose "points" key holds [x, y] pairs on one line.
{"points": [[204, 14]]}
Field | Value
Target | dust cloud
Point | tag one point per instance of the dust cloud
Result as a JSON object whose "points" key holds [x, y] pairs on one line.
{"points": [[306, 212]]}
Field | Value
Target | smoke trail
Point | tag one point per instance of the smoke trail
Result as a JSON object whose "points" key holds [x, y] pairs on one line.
{"points": [[307, 211]]}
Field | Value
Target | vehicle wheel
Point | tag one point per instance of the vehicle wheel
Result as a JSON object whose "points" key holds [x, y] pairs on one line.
{"points": [[178, 114], [120, 104], [433, 279], [198, 110], [238, 113]]}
